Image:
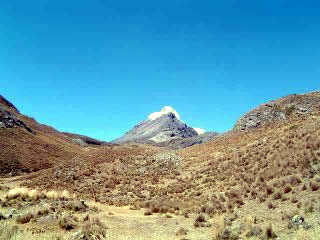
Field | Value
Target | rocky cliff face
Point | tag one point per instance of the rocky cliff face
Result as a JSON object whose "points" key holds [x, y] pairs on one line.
{"points": [[280, 110]]}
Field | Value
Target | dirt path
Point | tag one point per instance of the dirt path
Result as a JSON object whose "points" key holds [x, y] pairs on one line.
{"points": [[129, 224]]}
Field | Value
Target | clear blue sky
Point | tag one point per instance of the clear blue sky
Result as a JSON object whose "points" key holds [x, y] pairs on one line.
{"points": [[99, 67]]}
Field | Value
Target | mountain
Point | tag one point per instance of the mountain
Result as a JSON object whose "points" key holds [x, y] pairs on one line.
{"points": [[162, 129]]}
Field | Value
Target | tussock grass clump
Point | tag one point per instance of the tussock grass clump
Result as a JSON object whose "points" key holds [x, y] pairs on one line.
{"points": [[34, 194], [271, 205], [308, 207], [200, 218], [86, 218], [182, 232], [289, 214], [220, 230], [75, 205], [67, 223], [199, 221], [44, 211], [17, 192], [148, 212], [51, 195], [287, 189], [269, 233], [314, 185], [24, 218], [94, 229], [254, 231], [277, 195]]}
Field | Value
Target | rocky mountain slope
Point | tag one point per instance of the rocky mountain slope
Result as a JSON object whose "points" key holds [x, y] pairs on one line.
{"points": [[164, 128], [280, 110]]}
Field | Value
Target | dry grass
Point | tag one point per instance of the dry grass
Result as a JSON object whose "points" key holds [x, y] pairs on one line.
{"points": [[24, 218], [34, 194], [269, 233], [182, 232], [219, 228], [94, 229], [215, 178], [67, 223]]}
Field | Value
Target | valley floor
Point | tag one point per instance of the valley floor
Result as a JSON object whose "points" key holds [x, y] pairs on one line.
{"points": [[125, 223]]}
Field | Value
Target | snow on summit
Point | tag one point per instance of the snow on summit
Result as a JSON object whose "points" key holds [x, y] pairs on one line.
{"points": [[164, 111], [199, 130]]}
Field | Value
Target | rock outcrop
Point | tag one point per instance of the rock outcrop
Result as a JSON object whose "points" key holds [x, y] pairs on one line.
{"points": [[9, 116]]}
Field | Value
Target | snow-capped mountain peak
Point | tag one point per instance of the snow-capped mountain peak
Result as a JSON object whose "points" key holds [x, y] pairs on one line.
{"points": [[164, 111]]}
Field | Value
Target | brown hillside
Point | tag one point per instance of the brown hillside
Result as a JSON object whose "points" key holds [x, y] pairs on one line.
{"points": [[27, 151]]}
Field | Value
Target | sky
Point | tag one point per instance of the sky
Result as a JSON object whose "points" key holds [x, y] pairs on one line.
{"points": [[99, 67]]}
